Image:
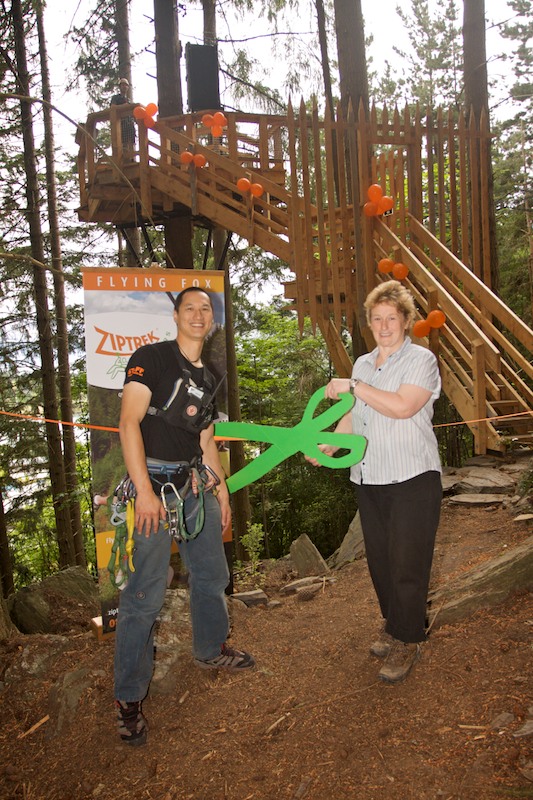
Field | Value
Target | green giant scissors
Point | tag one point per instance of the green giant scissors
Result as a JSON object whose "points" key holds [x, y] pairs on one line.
{"points": [[305, 437]]}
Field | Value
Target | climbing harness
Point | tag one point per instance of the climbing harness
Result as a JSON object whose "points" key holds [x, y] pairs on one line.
{"points": [[122, 517], [199, 478], [194, 477]]}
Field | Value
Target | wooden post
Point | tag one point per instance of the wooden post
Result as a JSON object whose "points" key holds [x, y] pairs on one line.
{"points": [[479, 429]]}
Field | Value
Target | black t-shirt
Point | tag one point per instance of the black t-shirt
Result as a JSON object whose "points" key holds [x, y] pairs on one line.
{"points": [[159, 366]]}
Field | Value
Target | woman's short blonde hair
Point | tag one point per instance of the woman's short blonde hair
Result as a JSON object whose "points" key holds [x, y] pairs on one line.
{"points": [[394, 293]]}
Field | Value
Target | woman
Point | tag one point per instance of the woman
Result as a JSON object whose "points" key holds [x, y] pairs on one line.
{"points": [[398, 482]]}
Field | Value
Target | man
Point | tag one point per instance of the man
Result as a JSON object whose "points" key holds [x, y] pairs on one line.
{"points": [[165, 426], [127, 124]]}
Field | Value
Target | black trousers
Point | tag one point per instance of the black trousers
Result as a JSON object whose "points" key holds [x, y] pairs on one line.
{"points": [[400, 522]]}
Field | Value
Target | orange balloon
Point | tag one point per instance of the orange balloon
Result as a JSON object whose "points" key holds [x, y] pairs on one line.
{"points": [[139, 112], [219, 119], [149, 121], [385, 265], [199, 160], [186, 157], [207, 120], [436, 318], [256, 189], [421, 328], [400, 271], [370, 209], [374, 193], [151, 109], [244, 185], [385, 204], [217, 130]]}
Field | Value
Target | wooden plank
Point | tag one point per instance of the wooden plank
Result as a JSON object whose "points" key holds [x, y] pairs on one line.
{"points": [[480, 409], [475, 199], [453, 210], [347, 235], [314, 236], [367, 134], [145, 192], [463, 175], [441, 192], [331, 165], [339, 355], [298, 249], [484, 156]]}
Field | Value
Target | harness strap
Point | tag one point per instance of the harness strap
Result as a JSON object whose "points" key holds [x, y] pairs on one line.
{"points": [[176, 516]]}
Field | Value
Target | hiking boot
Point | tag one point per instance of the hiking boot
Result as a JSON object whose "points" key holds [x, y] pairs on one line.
{"points": [[398, 663], [383, 644], [229, 659], [132, 725]]}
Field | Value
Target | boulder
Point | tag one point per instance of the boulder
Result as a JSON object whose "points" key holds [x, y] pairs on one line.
{"points": [[306, 558], [487, 585], [352, 547], [38, 607]]}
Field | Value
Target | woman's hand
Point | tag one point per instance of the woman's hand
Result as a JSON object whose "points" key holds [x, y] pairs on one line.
{"points": [[328, 449], [336, 387]]}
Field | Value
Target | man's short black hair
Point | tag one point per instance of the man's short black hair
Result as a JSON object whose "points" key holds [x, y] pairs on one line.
{"points": [[179, 299]]}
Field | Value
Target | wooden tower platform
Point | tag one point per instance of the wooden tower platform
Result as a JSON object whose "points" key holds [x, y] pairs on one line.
{"points": [[315, 174]]}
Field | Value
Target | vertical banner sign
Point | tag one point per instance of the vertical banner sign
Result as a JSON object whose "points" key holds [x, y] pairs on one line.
{"points": [[125, 309]]}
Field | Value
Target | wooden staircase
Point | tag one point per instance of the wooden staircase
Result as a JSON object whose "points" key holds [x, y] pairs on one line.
{"points": [[484, 350]]}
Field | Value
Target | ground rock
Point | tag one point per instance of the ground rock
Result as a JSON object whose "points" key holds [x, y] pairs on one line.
{"points": [[485, 480], [293, 586], [489, 584], [64, 698], [255, 597], [35, 659], [477, 499], [352, 547], [306, 558], [31, 608], [171, 640]]}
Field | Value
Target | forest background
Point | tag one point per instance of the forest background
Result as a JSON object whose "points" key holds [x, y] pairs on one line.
{"points": [[414, 55]]}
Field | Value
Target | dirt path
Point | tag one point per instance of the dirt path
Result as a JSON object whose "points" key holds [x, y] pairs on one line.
{"points": [[312, 721]]}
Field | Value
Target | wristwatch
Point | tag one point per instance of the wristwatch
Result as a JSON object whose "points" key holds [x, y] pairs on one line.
{"points": [[353, 384]]}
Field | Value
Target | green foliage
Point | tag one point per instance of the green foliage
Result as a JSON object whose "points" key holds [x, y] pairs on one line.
{"points": [[252, 541]]}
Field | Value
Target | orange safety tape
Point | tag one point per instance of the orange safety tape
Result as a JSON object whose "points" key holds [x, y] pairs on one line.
{"points": [[238, 439], [58, 421]]}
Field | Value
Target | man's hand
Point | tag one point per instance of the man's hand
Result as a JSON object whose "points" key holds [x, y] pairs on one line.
{"points": [[225, 508], [149, 512]]}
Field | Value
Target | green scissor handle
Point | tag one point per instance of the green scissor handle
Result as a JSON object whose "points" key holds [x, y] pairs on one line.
{"points": [[305, 437]]}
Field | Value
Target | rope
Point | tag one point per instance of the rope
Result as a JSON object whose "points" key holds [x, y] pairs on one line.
{"points": [[115, 430]]}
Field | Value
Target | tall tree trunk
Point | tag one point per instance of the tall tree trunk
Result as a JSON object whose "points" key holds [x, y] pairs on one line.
{"points": [[6, 567], [328, 89], [178, 230], [132, 236], [477, 100], [353, 77], [53, 438], [69, 441], [242, 513], [351, 54]]}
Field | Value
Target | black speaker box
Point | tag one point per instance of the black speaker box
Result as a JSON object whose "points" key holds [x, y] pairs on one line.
{"points": [[203, 90]]}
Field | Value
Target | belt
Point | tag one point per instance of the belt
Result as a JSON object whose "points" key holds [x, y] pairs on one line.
{"points": [[176, 474]]}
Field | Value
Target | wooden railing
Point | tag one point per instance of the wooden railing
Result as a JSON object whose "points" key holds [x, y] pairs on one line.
{"points": [[485, 375]]}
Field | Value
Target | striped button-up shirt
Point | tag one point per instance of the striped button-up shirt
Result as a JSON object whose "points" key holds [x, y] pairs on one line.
{"points": [[398, 449]]}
